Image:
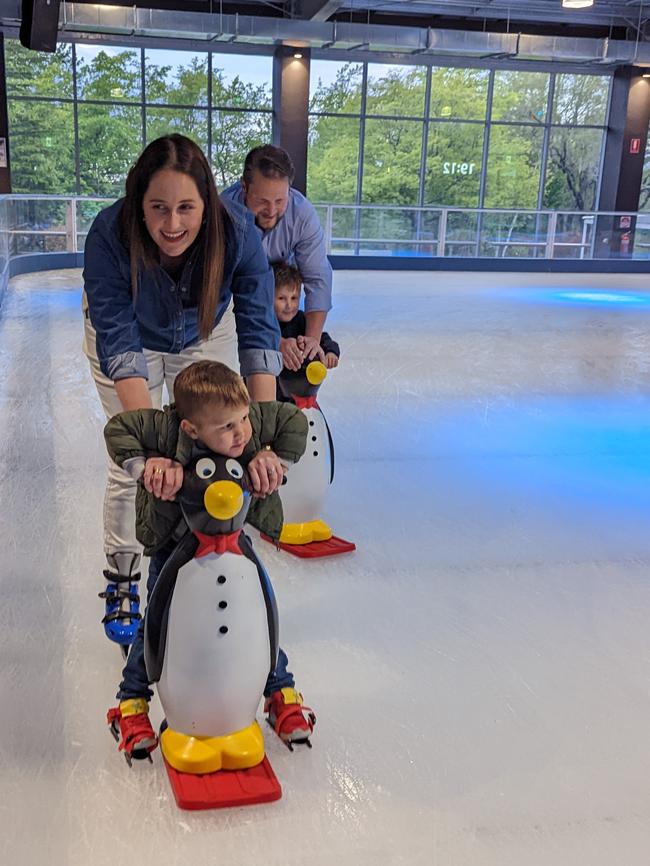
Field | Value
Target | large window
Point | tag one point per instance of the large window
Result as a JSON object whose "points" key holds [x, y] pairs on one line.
{"points": [[408, 135], [513, 166], [126, 97], [398, 135], [453, 168], [334, 131], [576, 141]]}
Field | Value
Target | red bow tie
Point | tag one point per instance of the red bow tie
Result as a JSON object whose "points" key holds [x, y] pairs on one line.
{"points": [[217, 544], [306, 402]]}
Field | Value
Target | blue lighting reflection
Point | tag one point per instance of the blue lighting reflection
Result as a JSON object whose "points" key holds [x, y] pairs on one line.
{"points": [[602, 299]]}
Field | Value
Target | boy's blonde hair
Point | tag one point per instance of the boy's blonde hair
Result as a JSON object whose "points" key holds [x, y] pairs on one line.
{"points": [[208, 383]]}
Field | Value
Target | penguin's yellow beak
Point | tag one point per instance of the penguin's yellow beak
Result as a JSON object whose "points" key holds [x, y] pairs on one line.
{"points": [[315, 372], [223, 499]]}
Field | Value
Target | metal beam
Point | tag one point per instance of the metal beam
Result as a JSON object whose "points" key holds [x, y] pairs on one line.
{"points": [[318, 10]]}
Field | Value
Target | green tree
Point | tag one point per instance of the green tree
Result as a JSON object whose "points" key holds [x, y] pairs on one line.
{"points": [[572, 171], [41, 134], [110, 136], [234, 133]]}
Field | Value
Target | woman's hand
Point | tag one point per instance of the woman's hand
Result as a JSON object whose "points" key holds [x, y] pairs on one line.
{"points": [[331, 360], [310, 348], [162, 477], [291, 354], [266, 472]]}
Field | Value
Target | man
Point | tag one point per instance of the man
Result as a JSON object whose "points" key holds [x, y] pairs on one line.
{"points": [[291, 232]]}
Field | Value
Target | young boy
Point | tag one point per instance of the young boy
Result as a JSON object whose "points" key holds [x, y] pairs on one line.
{"points": [[212, 411], [291, 318]]}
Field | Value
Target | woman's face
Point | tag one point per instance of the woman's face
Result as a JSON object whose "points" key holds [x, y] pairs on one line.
{"points": [[173, 211]]}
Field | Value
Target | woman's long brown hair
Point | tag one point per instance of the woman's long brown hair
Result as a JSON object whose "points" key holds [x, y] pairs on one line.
{"points": [[178, 153]]}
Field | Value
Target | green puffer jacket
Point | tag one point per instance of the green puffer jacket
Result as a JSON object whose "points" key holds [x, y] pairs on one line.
{"points": [[137, 435]]}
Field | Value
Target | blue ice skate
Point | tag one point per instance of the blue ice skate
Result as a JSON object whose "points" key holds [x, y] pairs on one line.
{"points": [[122, 599]]}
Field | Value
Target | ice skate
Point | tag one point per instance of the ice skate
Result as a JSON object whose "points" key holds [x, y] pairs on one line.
{"points": [[290, 719], [130, 725], [122, 599]]}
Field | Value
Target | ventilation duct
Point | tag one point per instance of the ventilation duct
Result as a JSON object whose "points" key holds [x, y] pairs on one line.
{"points": [[132, 24]]}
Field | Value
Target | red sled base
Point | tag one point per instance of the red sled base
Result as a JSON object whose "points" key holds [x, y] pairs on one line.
{"points": [[332, 547], [225, 788]]}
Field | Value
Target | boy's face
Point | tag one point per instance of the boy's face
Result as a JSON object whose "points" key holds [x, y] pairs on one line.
{"points": [[224, 431], [287, 301]]}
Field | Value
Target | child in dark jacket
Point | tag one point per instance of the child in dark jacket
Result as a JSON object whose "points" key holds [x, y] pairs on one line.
{"points": [[212, 411], [288, 284]]}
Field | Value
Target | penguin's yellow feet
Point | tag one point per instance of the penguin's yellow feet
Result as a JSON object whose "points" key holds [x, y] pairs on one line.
{"points": [[237, 751], [305, 533]]}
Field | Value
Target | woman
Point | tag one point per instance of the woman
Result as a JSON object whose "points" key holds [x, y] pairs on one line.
{"points": [[171, 276]]}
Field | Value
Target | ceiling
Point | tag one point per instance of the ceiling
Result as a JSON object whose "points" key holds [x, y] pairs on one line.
{"points": [[610, 33], [625, 14], [618, 19]]}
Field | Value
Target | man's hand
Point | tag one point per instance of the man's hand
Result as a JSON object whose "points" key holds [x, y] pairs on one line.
{"points": [[331, 360], [310, 348], [162, 477], [291, 353], [266, 472]]}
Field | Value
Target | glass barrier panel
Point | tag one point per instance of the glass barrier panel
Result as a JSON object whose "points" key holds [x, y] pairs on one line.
{"points": [[38, 214], [461, 234], [343, 230], [513, 235], [573, 236], [86, 213], [43, 224]]}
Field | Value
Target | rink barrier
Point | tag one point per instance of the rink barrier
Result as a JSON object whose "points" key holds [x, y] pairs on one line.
{"points": [[48, 232]]}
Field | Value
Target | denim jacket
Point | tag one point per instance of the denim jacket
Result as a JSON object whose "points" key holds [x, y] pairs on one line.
{"points": [[164, 318]]}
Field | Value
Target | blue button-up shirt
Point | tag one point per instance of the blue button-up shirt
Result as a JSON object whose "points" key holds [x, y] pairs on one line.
{"points": [[164, 315], [297, 238]]}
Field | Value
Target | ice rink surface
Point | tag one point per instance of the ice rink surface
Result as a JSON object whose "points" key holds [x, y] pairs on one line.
{"points": [[480, 667]]}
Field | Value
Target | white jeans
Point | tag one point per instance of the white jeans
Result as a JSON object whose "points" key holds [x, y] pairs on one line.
{"points": [[119, 500]]}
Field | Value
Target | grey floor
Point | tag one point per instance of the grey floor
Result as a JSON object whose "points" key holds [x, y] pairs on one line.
{"points": [[480, 667]]}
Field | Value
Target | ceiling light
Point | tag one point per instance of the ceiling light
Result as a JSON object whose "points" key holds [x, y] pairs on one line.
{"points": [[577, 4]]}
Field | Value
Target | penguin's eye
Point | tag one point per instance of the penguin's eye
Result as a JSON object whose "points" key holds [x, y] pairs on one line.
{"points": [[233, 468], [205, 467]]}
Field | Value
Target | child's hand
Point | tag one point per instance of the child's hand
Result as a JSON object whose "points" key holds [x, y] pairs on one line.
{"points": [[291, 354], [266, 472], [162, 477], [331, 360], [311, 349]]}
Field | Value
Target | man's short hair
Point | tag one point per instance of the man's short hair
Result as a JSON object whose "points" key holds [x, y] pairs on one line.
{"points": [[208, 383], [270, 161], [286, 275]]}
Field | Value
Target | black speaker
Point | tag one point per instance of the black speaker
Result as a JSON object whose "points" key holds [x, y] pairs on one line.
{"points": [[39, 23]]}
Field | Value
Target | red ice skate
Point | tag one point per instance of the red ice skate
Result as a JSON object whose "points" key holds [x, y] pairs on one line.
{"points": [[289, 718], [130, 721]]}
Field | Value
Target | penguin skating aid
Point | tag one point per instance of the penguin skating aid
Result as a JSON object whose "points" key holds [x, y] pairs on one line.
{"points": [[305, 533], [211, 640]]}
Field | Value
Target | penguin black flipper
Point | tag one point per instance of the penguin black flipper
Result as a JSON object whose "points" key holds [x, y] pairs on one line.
{"points": [[246, 547], [157, 613], [331, 443]]}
